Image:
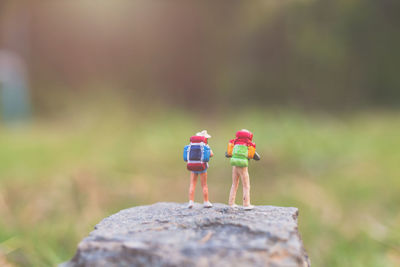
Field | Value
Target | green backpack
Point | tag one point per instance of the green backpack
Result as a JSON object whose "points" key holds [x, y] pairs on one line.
{"points": [[239, 156]]}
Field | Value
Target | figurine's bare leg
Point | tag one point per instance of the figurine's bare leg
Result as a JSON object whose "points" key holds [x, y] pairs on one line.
{"points": [[203, 179], [235, 185], [192, 187], [246, 186]]}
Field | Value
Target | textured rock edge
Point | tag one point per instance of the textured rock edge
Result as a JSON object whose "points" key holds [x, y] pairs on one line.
{"points": [[88, 243]]}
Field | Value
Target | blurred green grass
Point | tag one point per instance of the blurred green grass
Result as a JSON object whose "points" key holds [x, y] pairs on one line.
{"points": [[59, 177]]}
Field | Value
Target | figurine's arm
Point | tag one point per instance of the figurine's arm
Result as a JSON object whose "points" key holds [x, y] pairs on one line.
{"points": [[256, 155], [211, 153]]}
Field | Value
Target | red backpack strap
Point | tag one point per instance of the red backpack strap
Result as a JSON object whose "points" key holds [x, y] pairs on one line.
{"points": [[241, 141]]}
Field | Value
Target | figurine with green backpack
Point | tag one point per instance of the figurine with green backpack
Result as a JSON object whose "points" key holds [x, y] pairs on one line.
{"points": [[240, 151]]}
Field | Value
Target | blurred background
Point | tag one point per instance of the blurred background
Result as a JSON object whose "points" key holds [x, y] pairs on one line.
{"points": [[98, 98]]}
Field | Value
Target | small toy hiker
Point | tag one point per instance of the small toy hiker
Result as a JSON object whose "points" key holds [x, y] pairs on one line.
{"points": [[240, 150], [197, 155]]}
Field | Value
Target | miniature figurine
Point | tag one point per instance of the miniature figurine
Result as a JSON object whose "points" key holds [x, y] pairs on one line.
{"points": [[240, 150], [197, 155]]}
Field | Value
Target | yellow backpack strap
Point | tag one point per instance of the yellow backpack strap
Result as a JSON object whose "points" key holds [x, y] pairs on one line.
{"points": [[252, 151], [230, 149]]}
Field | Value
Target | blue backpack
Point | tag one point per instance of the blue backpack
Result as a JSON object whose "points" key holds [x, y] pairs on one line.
{"points": [[197, 154]]}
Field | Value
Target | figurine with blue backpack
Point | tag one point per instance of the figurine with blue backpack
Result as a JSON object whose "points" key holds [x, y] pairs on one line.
{"points": [[197, 155], [240, 151]]}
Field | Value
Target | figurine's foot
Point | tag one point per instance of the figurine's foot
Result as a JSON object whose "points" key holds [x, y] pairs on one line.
{"points": [[249, 207], [190, 205], [207, 204], [233, 206]]}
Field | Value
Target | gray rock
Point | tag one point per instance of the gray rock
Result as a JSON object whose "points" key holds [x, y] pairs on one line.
{"points": [[169, 234]]}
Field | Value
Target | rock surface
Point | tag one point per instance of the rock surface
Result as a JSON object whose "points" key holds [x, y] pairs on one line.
{"points": [[169, 234]]}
